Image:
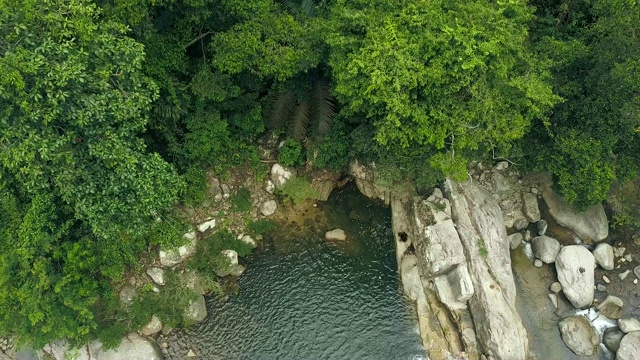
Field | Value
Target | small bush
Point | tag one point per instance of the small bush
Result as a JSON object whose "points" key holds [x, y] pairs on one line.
{"points": [[196, 179], [298, 189], [260, 227], [208, 258], [241, 200], [291, 153]]}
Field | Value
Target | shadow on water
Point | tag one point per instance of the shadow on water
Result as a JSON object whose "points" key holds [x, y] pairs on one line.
{"points": [[317, 300]]}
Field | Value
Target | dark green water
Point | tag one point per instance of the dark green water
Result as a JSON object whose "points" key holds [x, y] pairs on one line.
{"points": [[307, 298]]}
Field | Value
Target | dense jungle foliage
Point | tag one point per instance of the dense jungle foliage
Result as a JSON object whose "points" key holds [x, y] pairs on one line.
{"points": [[112, 111]]}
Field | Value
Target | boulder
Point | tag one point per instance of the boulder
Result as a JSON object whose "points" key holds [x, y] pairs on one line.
{"points": [[520, 224], [365, 179], [629, 347], [482, 232], [530, 207], [153, 327], [628, 325], [268, 207], [174, 257], [501, 165], [591, 225], [127, 294], [280, 175], [556, 287], [542, 226], [554, 300], [133, 346], [335, 234], [545, 248], [232, 255], [197, 310], [611, 338], [500, 184], [248, 240], [574, 265], [603, 253], [209, 224], [455, 288], [514, 240], [579, 336], [611, 307], [270, 187], [156, 274]]}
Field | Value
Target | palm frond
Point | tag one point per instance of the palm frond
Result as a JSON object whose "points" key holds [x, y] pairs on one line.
{"points": [[300, 121], [278, 109], [322, 108], [308, 7]]}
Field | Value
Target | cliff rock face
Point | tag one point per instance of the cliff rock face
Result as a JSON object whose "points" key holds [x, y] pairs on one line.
{"points": [[481, 229]]}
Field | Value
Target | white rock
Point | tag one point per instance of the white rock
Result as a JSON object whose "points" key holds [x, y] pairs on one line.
{"points": [[502, 165], [556, 287], [606, 279], [232, 255], [335, 234], [538, 263], [209, 224], [153, 327], [248, 240], [554, 300], [133, 346], [628, 325], [156, 274], [191, 353], [173, 257], [280, 175], [574, 265], [623, 275], [603, 253], [268, 207], [619, 251], [270, 188]]}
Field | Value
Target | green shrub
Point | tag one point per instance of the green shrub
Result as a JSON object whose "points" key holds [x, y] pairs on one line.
{"points": [[333, 151], [291, 154], [208, 258], [196, 179], [298, 189], [260, 227], [241, 200]]}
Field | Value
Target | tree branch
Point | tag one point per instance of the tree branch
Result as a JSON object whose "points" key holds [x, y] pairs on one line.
{"points": [[198, 38]]}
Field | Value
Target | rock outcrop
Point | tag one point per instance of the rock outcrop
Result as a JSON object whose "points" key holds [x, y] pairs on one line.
{"points": [[482, 232], [365, 179], [590, 226]]}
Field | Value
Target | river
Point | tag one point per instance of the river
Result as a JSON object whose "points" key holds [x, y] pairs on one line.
{"points": [[306, 298]]}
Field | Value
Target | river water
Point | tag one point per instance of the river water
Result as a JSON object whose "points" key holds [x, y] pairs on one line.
{"points": [[306, 298]]}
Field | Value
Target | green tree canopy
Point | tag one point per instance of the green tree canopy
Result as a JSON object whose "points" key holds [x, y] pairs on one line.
{"points": [[446, 75], [77, 182]]}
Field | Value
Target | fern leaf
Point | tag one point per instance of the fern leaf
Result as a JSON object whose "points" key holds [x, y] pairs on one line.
{"points": [[322, 109], [300, 122], [278, 109]]}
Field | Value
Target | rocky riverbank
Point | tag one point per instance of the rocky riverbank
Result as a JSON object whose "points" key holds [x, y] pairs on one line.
{"points": [[453, 251]]}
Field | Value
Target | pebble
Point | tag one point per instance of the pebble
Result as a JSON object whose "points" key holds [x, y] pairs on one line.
{"points": [[605, 279], [619, 251], [191, 353], [635, 281], [555, 287], [636, 271], [537, 263], [628, 257], [601, 287], [623, 275], [554, 300]]}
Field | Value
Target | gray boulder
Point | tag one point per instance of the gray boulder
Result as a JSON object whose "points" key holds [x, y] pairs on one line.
{"points": [[153, 327], [545, 248], [574, 265], [579, 336], [636, 271], [542, 226], [455, 288], [530, 207], [514, 240], [127, 294], [483, 235], [612, 337], [603, 253], [156, 274], [133, 346], [268, 207], [629, 347], [197, 310], [591, 225]]}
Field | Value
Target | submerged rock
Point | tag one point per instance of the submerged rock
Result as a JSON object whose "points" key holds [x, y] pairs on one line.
{"points": [[611, 307], [335, 234], [579, 336], [612, 337]]}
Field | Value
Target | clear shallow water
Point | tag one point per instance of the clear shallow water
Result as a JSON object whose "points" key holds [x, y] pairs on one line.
{"points": [[317, 300]]}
